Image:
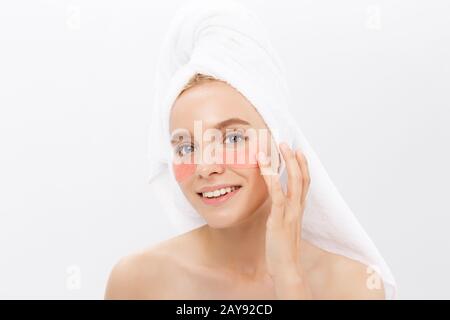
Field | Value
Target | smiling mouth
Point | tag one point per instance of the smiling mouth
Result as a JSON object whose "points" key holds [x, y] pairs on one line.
{"points": [[218, 196], [218, 192]]}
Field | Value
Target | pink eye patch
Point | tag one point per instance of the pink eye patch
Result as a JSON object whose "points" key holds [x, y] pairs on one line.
{"points": [[239, 159]]}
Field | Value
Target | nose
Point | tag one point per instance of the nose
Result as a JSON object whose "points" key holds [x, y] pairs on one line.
{"points": [[206, 170]]}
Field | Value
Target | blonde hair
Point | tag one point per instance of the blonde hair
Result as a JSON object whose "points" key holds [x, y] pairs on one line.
{"points": [[197, 79]]}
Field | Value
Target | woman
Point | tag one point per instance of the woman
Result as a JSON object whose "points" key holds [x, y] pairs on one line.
{"points": [[256, 240]]}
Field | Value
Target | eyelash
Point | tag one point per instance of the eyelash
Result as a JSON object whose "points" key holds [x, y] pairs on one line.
{"points": [[179, 148], [236, 133]]}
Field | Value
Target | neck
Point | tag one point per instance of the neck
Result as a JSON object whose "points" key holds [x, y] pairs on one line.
{"points": [[241, 249]]}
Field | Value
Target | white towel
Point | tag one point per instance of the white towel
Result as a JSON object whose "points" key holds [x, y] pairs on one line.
{"points": [[223, 39]]}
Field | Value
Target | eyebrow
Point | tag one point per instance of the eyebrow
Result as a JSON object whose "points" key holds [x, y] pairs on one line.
{"points": [[219, 126], [176, 137], [230, 121]]}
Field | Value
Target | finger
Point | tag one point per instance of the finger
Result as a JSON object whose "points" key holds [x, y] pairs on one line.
{"points": [[272, 180], [273, 186], [306, 180], [294, 173]]}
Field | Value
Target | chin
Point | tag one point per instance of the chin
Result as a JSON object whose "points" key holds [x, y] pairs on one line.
{"points": [[227, 217], [221, 219]]}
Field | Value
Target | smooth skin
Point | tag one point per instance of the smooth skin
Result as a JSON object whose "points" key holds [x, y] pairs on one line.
{"points": [[251, 247]]}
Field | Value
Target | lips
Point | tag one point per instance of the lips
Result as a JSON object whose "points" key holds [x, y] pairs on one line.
{"points": [[216, 187], [218, 194]]}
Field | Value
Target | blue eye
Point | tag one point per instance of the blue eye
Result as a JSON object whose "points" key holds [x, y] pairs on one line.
{"points": [[234, 137], [184, 149]]}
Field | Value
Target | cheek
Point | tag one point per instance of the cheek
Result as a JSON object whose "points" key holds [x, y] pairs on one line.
{"points": [[239, 159], [183, 171]]}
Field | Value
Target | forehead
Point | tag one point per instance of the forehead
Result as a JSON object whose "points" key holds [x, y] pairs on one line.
{"points": [[212, 102]]}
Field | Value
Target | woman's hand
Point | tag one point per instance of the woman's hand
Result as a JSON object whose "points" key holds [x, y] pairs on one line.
{"points": [[283, 227]]}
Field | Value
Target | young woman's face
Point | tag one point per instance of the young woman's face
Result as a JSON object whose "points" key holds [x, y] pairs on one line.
{"points": [[216, 134]]}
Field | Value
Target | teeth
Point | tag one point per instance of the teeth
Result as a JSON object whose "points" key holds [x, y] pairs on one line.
{"points": [[218, 192]]}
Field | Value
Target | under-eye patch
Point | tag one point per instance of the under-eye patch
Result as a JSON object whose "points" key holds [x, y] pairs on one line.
{"points": [[239, 158]]}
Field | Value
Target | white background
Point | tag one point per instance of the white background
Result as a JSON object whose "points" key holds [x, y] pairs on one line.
{"points": [[371, 80]]}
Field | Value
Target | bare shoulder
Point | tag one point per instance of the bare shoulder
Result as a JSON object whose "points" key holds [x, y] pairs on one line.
{"points": [[334, 276], [351, 279], [145, 274], [136, 276]]}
